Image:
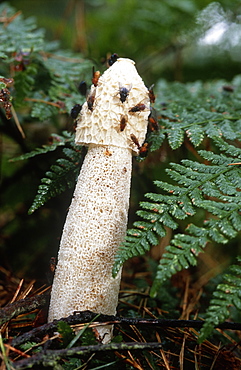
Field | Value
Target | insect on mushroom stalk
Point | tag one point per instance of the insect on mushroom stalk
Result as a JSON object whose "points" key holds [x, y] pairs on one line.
{"points": [[137, 108], [153, 121], [96, 223], [75, 111], [151, 94], [124, 92], [96, 76], [90, 100], [113, 59], [123, 122]]}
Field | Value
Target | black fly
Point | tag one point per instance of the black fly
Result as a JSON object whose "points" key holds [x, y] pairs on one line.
{"points": [[113, 59], [75, 110], [124, 92]]}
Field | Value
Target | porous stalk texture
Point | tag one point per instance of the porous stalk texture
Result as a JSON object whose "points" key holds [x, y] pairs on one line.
{"points": [[93, 231]]}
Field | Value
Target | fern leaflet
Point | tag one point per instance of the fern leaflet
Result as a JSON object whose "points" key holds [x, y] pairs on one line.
{"points": [[61, 176], [227, 294], [57, 140], [199, 187], [196, 110]]}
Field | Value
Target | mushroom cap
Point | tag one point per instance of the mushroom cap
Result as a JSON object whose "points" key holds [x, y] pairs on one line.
{"points": [[108, 120]]}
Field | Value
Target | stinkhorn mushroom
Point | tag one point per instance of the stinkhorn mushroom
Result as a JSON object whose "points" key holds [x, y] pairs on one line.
{"points": [[113, 127]]}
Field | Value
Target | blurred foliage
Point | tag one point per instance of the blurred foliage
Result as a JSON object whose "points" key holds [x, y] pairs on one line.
{"points": [[205, 118], [39, 82], [161, 35], [167, 39]]}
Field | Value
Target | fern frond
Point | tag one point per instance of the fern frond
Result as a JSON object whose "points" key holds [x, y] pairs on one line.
{"points": [[45, 80], [211, 189], [175, 136], [156, 139], [196, 110], [195, 134], [43, 110], [139, 240], [61, 176], [24, 82], [60, 94], [57, 140], [65, 69], [199, 187], [19, 34], [223, 222], [227, 294]]}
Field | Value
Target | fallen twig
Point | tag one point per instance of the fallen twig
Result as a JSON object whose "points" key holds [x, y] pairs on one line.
{"points": [[50, 357], [87, 316], [22, 306]]}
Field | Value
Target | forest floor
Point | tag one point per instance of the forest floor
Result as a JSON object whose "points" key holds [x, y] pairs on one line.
{"points": [[146, 336]]}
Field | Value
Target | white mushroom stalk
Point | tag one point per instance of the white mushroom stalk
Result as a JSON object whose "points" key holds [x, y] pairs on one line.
{"points": [[96, 222]]}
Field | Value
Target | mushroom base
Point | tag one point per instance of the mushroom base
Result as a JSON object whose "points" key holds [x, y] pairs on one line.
{"points": [[94, 229]]}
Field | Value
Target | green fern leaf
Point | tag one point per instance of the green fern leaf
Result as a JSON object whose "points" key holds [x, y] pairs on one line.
{"points": [[178, 256], [18, 34], [23, 84], [195, 134], [152, 238], [62, 176], [207, 189], [235, 218], [45, 81], [152, 217], [156, 139], [228, 131], [58, 140], [229, 149], [175, 137], [159, 230], [226, 295], [43, 111], [197, 182], [216, 236]]}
